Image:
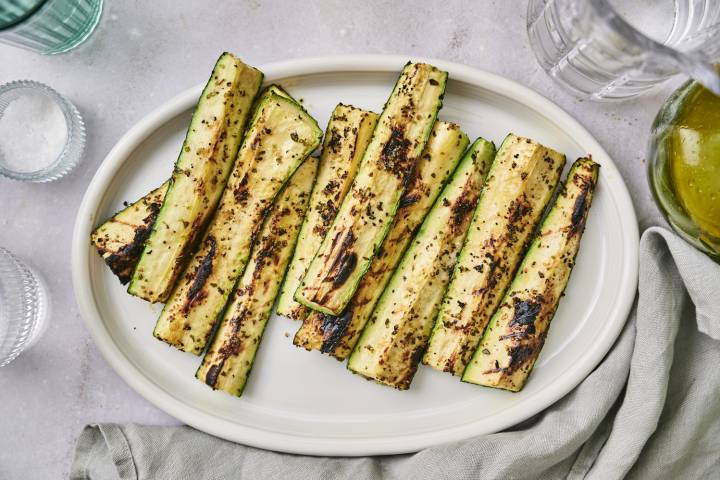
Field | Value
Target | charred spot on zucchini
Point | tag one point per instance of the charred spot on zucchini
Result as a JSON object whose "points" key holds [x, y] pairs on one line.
{"points": [[394, 339], [268, 157], [229, 360], [520, 183], [121, 238], [346, 137], [387, 166], [518, 329], [199, 176], [337, 335]]}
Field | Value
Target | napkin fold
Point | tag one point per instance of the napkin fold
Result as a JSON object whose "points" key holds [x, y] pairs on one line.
{"points": [[651, 409]]}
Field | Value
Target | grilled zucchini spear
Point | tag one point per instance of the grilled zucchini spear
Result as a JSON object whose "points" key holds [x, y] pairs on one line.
{"points": [[199, 177], [370, 206], [279, 139], [346, 138], [518, 329], [392, 343], [520, 183], [120, 239], [337, 335], [231, 355]]}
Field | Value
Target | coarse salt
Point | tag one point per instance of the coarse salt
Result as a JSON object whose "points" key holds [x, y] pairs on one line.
{"points": [[33, 132]]}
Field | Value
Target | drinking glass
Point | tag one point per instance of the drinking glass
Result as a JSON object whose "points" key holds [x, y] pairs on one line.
{"points": [[23, 307], [48, 26], [608, 49]]}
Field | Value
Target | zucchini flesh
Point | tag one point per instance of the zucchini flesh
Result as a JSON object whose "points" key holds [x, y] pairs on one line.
{"points": [[392, 343], [227, 363], [120, 239], [337, 335], [370, 206], [517, 331], [199, 176], [346, 138], [520, 184], [280, 138]]}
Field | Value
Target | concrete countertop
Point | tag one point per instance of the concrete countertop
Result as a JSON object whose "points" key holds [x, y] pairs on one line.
{"points": [[144, 53]]}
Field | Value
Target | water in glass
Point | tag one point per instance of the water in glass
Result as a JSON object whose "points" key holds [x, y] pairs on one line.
{"points": [[605, 49]]}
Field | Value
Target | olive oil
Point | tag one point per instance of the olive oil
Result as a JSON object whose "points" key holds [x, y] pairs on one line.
{"points": [[684, 165], [694, 159]]}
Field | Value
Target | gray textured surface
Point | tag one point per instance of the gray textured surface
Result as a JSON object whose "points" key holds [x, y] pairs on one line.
{"points": [[146, 52]]}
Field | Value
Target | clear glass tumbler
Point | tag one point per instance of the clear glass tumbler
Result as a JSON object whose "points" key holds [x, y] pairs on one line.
{"points": [[23, 307], [607, 49], [48, 26]]}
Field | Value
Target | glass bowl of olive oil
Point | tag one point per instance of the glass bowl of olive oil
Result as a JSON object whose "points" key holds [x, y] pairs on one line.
{"points": [[684, 165]]}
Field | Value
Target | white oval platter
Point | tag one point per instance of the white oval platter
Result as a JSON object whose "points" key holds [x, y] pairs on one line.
{"points": [[304, 402]]}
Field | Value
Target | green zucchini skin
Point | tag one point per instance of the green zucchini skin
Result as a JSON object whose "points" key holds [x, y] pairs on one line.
{"points": [[120, 239], [346, 137], [520, 184], [280, 138], [231, 355], [392, 343], [337, 335], [199, 177], [367, 211], [518, 329]]}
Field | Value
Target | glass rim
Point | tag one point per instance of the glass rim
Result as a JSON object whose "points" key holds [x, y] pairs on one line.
{"points": [[607, 12], [74, 141]]}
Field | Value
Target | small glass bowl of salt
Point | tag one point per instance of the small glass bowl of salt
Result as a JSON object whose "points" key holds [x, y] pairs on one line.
{"points": [[42, 135]]}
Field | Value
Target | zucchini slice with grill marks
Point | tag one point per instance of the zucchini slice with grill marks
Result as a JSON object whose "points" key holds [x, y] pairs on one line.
{"points": [[517, 331], [337, 335], [520, 184], [227, 363], [346, 138], [281, 137], [199, 177], [371, 204], [392, 343], [120, 239]]}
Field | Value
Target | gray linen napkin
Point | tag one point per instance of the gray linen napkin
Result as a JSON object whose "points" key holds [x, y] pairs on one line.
{"points": [[651, 409]]}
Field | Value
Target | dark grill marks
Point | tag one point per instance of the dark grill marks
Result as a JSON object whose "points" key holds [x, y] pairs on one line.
{"points": [[411, 180], [580, 208], [394, 156], [195, 293], [408, 200], [333, 328], [123, 262], [525, 313], [407, 376], [520, 354], [345, 260], [241, 193], [346, 263], [269, 251], [212, 374], [231, 347], [519, 209], [462, 209]]}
